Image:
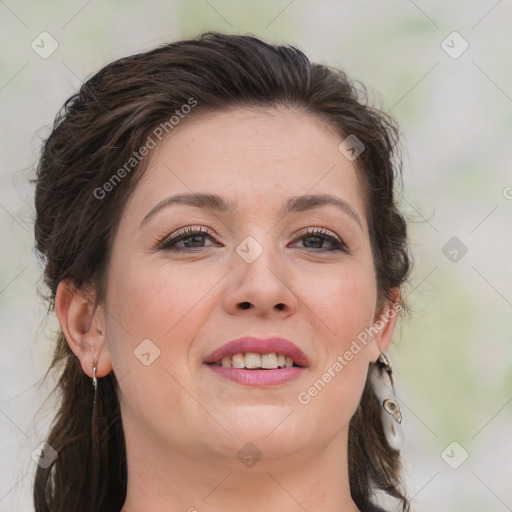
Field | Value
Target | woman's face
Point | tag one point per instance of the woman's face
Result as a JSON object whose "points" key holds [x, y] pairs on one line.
{"points": [[252, 271]]}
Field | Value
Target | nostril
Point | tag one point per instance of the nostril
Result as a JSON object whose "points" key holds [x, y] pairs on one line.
{"points": [[245, 305], [280, 306]]}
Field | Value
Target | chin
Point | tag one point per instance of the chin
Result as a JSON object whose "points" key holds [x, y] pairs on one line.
{"points": [[276, 431]]}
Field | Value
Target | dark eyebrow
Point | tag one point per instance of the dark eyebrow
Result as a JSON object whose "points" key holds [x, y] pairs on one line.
{"points": [[214, 202], [311, 201], [211, 202]]}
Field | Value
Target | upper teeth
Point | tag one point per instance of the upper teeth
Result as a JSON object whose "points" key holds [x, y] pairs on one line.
{"points": [[251, 360]]}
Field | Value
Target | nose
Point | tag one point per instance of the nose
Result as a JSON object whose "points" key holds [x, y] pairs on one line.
{"points": [[262, 287]]}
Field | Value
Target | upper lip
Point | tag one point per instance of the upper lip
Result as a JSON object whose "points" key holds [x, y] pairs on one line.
{"points": [[259, 346]]}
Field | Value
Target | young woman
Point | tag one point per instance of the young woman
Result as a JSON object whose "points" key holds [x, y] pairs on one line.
{"points": [[225, 256]]}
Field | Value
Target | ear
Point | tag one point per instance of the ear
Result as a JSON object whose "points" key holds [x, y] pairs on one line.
{"points": [[83, 326], [383, 325]]}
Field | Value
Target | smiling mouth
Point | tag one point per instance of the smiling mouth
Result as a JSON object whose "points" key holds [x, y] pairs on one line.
{"points": [[254, 361]]}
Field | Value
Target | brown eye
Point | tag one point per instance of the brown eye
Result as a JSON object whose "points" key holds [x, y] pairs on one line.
{"points": [[318, 238], [192, 238]]}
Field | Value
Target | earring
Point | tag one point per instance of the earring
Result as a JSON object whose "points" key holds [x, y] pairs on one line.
{"points": [[94, 383], [391, 414]]}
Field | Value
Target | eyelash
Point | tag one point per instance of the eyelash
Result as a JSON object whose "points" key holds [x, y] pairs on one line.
{"points": [[167, 243]]}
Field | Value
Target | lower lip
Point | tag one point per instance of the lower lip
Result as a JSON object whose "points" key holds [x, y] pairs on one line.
{"points": [[258, 377]]}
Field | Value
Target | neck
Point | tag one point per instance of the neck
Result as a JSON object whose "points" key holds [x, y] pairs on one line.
{"points": [[182, 479]]}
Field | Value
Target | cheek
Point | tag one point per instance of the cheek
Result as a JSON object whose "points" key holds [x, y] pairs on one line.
{"points": [[151, 299], [163, 303], [166, 305], [343, 302]]}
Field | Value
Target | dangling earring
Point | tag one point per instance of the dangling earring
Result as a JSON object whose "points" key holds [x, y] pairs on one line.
{"points": [[94, 383], [391, 414]]}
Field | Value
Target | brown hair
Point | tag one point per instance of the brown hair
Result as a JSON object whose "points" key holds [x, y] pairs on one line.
{"points": [[99, 130]]}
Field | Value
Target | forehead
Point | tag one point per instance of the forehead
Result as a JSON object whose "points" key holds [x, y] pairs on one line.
{"points": [[250, 156]]}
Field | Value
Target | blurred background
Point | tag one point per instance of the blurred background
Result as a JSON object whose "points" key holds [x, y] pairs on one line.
{"points": [[443, 69]]}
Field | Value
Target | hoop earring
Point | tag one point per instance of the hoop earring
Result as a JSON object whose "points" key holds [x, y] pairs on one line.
{"points": [[391, 414], [94, 383]]}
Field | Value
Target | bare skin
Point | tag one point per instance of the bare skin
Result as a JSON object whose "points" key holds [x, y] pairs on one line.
{"points": [[185, 425]]}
